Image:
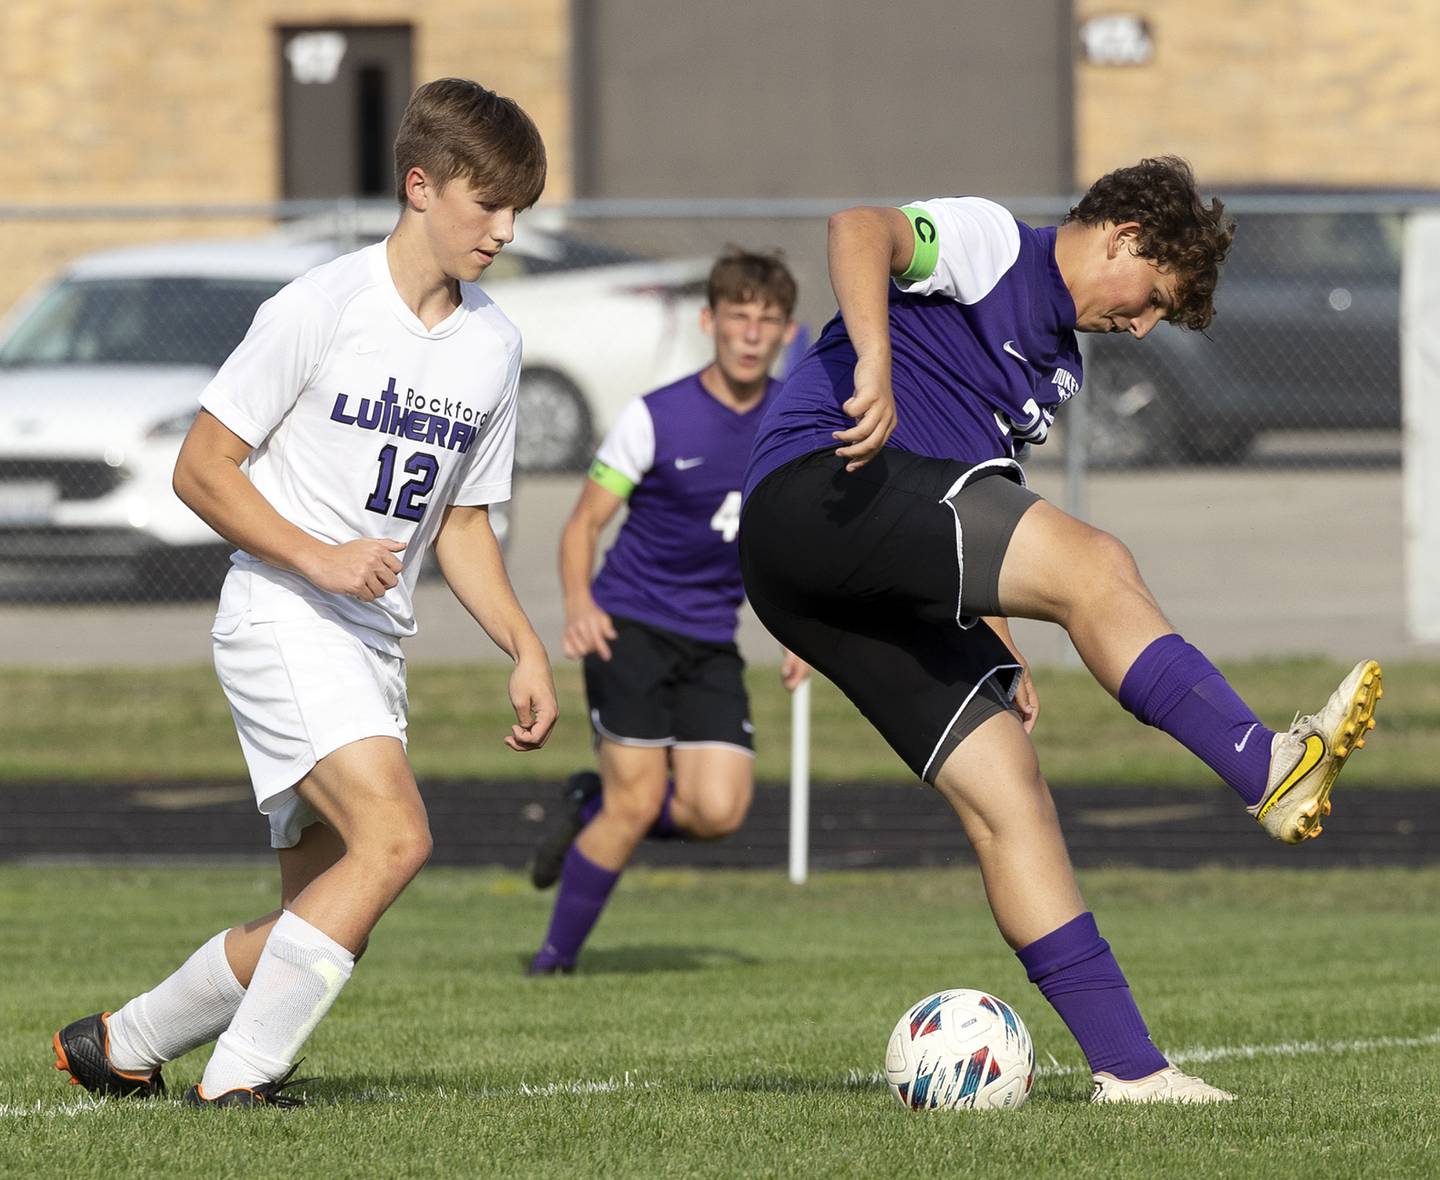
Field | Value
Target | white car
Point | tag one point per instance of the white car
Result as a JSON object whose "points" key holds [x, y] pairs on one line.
{"points": [[100, 372], [598, 332]]}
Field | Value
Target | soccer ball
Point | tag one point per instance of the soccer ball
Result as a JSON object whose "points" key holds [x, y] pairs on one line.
{"points": [[960, 1049]]}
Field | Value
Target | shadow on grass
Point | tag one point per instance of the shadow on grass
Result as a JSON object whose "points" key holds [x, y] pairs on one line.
{"points": [[646, 960]]}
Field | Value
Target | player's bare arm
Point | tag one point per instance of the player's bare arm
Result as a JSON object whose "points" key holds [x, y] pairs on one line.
{"points": [[474, 568], [209, 481], [1027, 698], [867, 245], [587, 627]]}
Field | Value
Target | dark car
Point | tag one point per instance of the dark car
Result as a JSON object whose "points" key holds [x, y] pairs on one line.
{"points": [[1307, 336]]}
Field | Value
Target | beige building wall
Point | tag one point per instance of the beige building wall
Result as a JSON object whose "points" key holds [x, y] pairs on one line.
{"points": [[1330, 92], [140, 102]]}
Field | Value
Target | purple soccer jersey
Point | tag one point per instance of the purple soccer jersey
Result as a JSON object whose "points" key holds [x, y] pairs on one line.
{"points": [[680, 456], [982, 342]]}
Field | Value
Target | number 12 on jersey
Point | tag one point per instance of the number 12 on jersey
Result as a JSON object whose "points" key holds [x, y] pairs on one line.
{"points": [[726, 520], [410, 504]]}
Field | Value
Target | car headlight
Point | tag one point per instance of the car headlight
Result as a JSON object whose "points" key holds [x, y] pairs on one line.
{"points": [[174, 427]]}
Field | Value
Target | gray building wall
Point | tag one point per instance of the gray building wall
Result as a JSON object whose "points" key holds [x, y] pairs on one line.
{"points": [[813, 98]]}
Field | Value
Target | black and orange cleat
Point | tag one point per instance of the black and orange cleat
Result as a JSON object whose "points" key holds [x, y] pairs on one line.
{"points": [[265, 1094], [82, 1049]]}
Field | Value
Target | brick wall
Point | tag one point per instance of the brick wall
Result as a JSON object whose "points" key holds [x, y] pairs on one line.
{"points": [[1271, 92], [113, 102]]}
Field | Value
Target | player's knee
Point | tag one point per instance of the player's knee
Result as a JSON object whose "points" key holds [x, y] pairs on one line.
{"points": [[715, 818], [635, 809], [397, 850], [1112, 569]]}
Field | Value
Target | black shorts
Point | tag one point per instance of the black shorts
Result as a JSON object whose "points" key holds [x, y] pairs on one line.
{"points": [[876, 577], [663, 689]]}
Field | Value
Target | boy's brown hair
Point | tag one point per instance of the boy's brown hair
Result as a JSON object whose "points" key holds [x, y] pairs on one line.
{"points": [[454, 127], [1177, 229], [743, 276]]}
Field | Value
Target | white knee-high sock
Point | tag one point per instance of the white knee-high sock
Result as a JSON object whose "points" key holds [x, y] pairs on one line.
{"points": [[182, 1012], [301, 971]]}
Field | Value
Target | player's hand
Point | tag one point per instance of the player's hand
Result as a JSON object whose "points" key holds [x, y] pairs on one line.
{"points": [[1027, 699], [588, 629], [532, 695], [363, 569], [872, 405], [793, 671]]}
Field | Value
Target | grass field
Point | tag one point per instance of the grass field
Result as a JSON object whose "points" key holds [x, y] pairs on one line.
{"points": [[164, 724], [731, 1025]]}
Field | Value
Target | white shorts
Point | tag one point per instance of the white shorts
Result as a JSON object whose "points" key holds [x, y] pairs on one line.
{"points": [[299, 689]]}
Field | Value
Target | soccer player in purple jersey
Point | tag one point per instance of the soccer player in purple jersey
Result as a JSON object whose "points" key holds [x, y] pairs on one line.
{"points": [[656, 628], [887, 532]]}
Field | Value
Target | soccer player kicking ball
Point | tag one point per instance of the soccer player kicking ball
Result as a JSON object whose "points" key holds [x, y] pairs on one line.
{"points": [[374, 401], [886, 516], [657, 628]]}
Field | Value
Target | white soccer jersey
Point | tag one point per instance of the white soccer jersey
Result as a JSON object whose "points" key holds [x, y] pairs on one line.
{"points": [[365, 424]]}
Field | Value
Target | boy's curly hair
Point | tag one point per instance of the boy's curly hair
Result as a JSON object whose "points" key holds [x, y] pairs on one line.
{"points": [[1177, 229]]}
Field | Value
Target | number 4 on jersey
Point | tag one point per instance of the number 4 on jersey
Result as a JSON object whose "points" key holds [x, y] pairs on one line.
{"points": [[726, 520]]}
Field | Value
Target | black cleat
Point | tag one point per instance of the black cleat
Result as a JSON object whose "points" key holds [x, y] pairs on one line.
{"points": [[538, 970], [82, 1049], [555, 842], [265, 1094]]}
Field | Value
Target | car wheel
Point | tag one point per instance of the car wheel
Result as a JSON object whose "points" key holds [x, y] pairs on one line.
{"points": [[552, 430]]}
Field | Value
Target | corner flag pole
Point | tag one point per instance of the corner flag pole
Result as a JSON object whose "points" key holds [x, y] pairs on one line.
{"points": [[800, 781]]}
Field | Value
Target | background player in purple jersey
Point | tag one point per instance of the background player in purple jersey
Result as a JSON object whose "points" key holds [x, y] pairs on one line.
{"points": [[656, 628], [876, 559]]}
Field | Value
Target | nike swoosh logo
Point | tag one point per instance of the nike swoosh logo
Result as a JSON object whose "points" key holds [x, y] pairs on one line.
{"points": [[1309, 759], [1009, 346], [1240, 745], [686, 464]]}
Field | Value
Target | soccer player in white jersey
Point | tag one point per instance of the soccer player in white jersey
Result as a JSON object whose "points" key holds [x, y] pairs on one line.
{"points": [[372, 404], [886, 516], [656, 626]]}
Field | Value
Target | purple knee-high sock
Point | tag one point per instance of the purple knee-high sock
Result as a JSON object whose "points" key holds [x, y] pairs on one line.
{"points": [[1173, 687], [665, 827], [584, 889], [1076, 972]]}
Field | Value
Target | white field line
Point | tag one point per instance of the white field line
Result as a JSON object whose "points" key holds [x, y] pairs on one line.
{"points": [[856, 1078], [1201, 1054]]}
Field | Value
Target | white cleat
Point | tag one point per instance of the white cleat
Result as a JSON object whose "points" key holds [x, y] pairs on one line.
{"points": [[1305, 761], [1169, 1085]]}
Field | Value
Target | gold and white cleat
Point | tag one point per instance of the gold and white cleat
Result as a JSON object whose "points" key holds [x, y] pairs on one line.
{"points": [[1169, 1085], [1305, 761]]}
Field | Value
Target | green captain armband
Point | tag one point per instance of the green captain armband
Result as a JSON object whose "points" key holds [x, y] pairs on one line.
{"points": [[927, 245], [611, 480]]}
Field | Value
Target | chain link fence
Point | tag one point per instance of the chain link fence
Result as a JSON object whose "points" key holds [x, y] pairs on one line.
{"points": [[100, 365]]}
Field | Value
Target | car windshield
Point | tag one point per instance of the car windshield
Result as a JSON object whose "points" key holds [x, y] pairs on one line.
{"points": [[151, 320]]}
